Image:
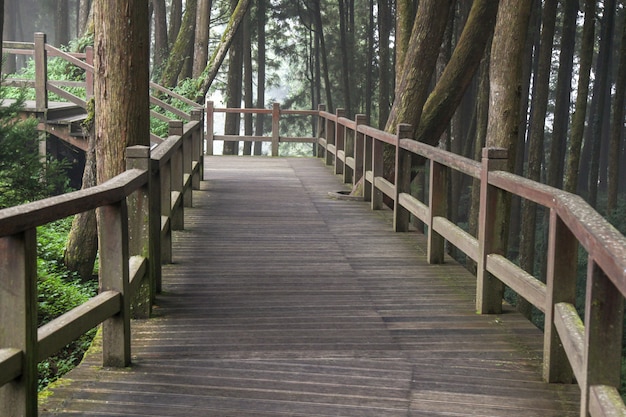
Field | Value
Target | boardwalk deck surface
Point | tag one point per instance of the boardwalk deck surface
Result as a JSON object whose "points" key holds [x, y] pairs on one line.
{"points": [[285, 302]]}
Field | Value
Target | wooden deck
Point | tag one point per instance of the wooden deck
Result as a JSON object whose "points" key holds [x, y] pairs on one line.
{"points": [[285, 302]]}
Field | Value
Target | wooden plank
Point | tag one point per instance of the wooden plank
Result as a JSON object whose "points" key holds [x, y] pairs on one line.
{"points": [[519, 280], [10, 364], [283, 301]]}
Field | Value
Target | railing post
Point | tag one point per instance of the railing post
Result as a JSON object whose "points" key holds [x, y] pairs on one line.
{"points": [[177, 217], [604, 315], [138, 157], [330, 141], [340, 136], [401, 216], [320, 128], [378, 148], [196, 149], [89, 74], [489, 290], [113, 250], [560, 288], [18, 326], [187, 150], [275, 128], [156, 239], [209, 127], [438, 204], [41, 73], [164, 173], [359, 150], [368, 144]]}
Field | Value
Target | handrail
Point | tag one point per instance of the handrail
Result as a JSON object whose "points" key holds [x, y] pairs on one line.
{"points": [[136, 241], [275, 137], [588, 348]]}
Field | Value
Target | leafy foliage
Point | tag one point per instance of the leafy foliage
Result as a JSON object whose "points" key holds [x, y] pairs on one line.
{"points": [[24, 176]]}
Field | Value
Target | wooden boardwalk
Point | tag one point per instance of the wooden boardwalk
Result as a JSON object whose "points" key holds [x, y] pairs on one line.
{"points": [[285, 302]]}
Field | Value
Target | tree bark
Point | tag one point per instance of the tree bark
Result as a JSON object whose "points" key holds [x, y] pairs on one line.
{"points": [[346, 51], [213, 66], [260, 18], [247, 82], [161, 45], [176, 17], [84, 10], [82, 242], [201, 44], [578, 120], [448, 93], [384, 67], [62, 23], [617, 126], [233, 90], [405, 17], [419, 63], [601, 89], [121, 65], [180, 50]]}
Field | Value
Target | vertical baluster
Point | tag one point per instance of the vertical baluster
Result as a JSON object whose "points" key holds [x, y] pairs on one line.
{"points": [[359, 150], [604, 316], [209, 127], [330, 140], [560, 287], [41, 74], [438, 203], [321, 132], [489, 290], [378, 149], [340, 132], [403, 179], [368, 158], [113, 250], [18, 326], [178, 215], [196, 149], [275, 128], [137, 157]]}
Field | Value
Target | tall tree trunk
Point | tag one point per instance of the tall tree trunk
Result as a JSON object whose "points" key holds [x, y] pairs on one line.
{"points": [[84, 10], [260, 97], [9, 20], [81, 247], [537, 130], [175, 22], [563, 99], [601, 89], [405, 17], [384, 66], [617, 124], [504, 98], [121, 66], [457, 77], [419, 63], [62, 23], [346, 52], [319, 28], [247, 81], [161, 45], [179, 52], [369, 74], [233, 91], [578, 120], [210, 72], [201, 45]]}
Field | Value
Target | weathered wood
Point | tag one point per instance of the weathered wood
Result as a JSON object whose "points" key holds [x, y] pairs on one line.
{"points": [[519, 280], [56, 334], [41, 73], [10, 364], [402, 180], [275, 128], [18, 327], [438, 206], [340, 135], [560, 288], [571, 331], [285, 301], [467, 243]]}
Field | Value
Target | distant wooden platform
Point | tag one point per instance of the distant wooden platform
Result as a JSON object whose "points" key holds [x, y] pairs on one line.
{"points": [[285, 302]]}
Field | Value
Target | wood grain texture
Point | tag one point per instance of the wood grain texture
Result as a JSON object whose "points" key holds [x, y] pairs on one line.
{"points": [[284, 302]]}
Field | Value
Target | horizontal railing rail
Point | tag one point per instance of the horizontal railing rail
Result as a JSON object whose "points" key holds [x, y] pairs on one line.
{"points": [[140, 208], [276, 112], [586, 350]]}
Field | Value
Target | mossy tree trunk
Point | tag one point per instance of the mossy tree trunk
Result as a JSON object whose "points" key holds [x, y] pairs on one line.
{"points": [[179, 52]]}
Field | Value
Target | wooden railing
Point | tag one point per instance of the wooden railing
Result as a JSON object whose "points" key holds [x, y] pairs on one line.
{"points": [[139, 209], [275, 137], [585, 350], [40, 50]]}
